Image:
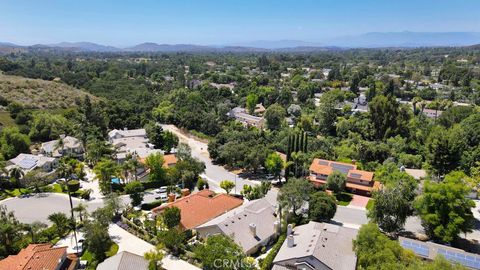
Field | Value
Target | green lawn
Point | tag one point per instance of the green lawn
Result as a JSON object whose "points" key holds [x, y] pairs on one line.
{"points": [[343, 198], [113, 250], [14, 192], [6, 120], [370, 204], [57, 188]]}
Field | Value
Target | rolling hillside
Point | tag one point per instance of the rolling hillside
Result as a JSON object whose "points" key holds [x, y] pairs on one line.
{"points": [[39, 94]]}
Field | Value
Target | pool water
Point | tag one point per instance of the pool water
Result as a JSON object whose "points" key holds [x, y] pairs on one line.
{"points": [[115, 180]]}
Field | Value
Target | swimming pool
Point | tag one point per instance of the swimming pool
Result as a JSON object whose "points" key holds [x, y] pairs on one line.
{"points": [[115, 180]]}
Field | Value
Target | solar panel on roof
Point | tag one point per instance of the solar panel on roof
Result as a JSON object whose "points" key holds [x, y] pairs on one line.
{"points": [[323, 162], [466, 260], [419, 249], [342, 168], [27, 163], [356, 175]]}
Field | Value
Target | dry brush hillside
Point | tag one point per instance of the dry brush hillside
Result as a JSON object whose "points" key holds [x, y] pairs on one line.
{"points": [[39, 94]]}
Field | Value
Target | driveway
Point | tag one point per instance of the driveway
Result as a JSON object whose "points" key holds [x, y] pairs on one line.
{"points": [[213, 173], [131, 243], [350, 217], [359, 201]]}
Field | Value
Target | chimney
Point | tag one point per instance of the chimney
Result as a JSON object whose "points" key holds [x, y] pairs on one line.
{"points": [[185, 192], [253, 229], [276, 226], [289, 229], [171, 197], [290, 241], [125, 129]]}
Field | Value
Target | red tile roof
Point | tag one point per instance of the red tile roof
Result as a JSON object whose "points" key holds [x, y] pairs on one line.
{"points": [[322, 166], [169, 160], [36, 257], [200, 207]]}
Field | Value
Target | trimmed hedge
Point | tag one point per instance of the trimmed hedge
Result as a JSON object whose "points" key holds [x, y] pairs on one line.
{"points": [[151, 205], [268, 262], [73, 185], [151, 184]]}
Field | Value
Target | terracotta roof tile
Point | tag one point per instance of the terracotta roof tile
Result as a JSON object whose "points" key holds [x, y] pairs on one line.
{"points": [[200, 207], [35, 257], [169, 160]]}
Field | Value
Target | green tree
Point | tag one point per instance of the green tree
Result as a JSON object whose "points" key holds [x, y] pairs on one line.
{"points": [[170, 140], [445, 209], [374, 250], [220, 248], [322, 206], [336, 181], [46, 126], [81, 209], [12, 142], [104, 170], [294, 194], [11, 233], [251, 102], [97, 240], [157, 172], [135, 190], [388, 117], [61, 222], [274, 116], [171, 217], [327, 113], [444, 149], [155, 257], [256, 192], [16, 174], [393, 204], [173, 239], [227, 185]]}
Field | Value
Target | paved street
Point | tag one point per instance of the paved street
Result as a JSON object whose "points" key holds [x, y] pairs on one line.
{"points": [[38, 207], [213, 173]]}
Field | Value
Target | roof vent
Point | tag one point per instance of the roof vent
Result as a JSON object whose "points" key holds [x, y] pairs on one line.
{"points": [[290, 241], [253, 229], [289, 229]]}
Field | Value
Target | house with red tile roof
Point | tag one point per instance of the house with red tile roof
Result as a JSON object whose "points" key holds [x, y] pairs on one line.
{"points": [[169, 160], [41, 257], [201, 207], [358, 181]]}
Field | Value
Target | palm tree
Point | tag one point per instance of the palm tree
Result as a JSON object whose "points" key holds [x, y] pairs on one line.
{"points": [[17, 174], [296, 156], [155, 257], [35, 228], [81, 209], [61, 222]]}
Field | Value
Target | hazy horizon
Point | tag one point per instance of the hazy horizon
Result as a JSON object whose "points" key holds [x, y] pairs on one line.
{"points": [[127, 23]]}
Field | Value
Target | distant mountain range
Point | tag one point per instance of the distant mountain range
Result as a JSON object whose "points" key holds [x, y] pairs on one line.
{"points": [[408, 39], [368, 40]]}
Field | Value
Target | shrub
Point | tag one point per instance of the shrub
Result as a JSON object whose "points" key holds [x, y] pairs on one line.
{"points": [[151, 205], [73, 185], [268, 261]]}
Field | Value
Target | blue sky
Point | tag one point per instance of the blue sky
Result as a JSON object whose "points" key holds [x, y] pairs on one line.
{"points": [[125, 23]]}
